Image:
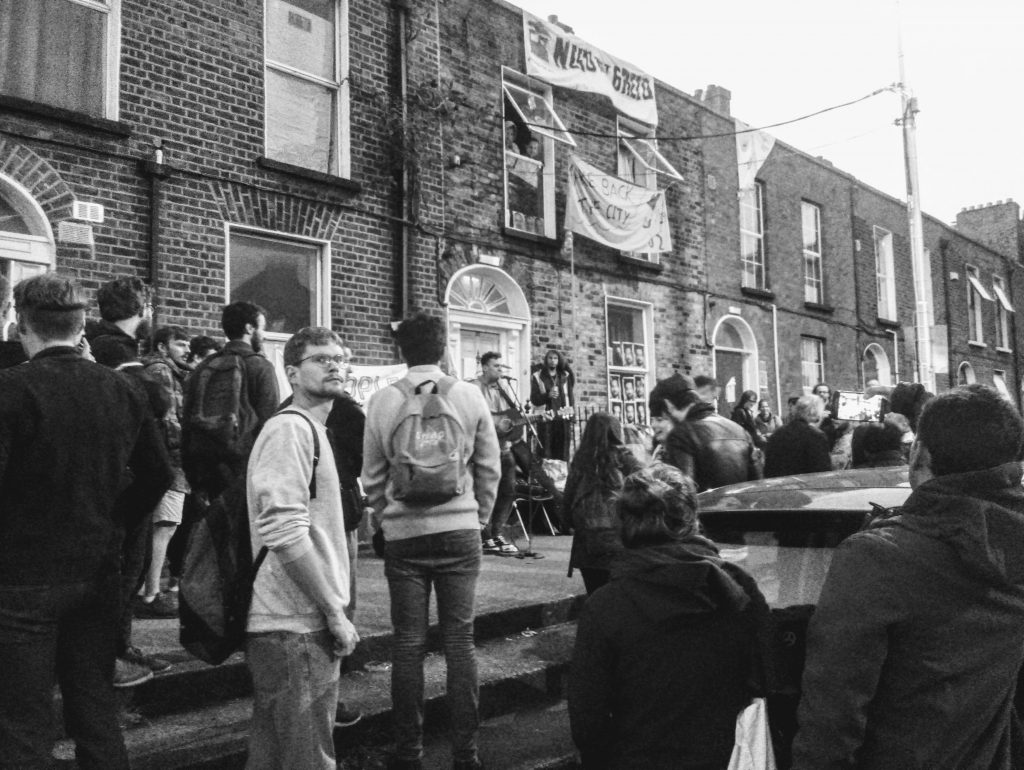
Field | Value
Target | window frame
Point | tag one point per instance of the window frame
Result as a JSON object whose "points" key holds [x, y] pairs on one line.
{"points": [[808, 382], [628, 157], [761, 262], [975, 316], [547, 140], [646, 310], [812, 283], [885, 274], [341, 166], [1003, 310]]}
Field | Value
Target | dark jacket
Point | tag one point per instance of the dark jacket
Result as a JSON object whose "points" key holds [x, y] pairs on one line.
{"points": [[166, 375], [541, 382], [916, 643], [75, 438], [110, 344], [710, 449], [796, 447], [746, 420], [597, 537], [667, 654]]}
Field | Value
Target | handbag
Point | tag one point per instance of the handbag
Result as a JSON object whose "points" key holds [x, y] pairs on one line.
{"points": [[753, 748]]}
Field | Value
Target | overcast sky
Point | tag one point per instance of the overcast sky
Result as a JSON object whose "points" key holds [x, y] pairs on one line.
{"points": [[784, 59]]}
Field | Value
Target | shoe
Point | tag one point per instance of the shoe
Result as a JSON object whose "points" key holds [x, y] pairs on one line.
{"points": [[163, 606], [128, 674], [172, 585], [505, 548], [491, 546], [346, 717], [139, 658]]}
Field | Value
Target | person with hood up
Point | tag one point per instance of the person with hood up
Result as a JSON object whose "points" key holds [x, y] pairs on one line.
{"points": [[915, 646], [673, 648]]}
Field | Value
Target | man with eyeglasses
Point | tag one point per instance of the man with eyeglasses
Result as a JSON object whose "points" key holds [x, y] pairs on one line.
{"points": [[297, 629]]}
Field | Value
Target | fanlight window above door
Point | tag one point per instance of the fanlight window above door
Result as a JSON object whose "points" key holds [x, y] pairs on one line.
{"points": [[480, 294]]}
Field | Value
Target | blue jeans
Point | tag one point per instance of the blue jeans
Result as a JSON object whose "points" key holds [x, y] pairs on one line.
{"points": [[505, 499], [65, 633], [449, 561], [295, 695]]}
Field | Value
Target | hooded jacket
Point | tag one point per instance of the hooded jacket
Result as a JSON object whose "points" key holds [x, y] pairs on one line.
{"points": [[917, 640], [667, 654]]}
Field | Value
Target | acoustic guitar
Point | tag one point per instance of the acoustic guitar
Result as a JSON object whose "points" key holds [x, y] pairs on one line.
{"points": [[508, 421]]}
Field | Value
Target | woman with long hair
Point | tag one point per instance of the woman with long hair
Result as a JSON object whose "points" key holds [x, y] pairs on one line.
{"points": [[673, 648], [600, 464], [743, 414]]}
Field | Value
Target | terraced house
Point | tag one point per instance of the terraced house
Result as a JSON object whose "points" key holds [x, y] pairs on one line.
{"points": [[343, 162]]}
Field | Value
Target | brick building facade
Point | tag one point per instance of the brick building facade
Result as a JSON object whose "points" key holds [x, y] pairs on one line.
{"points": [[343, 162]]}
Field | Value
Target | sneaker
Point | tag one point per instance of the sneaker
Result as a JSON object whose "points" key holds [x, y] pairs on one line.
{"points": [[128, 674], [172, 585], [163, 606], [139, 658], [505, 548], [346, 717], [491, 546]]}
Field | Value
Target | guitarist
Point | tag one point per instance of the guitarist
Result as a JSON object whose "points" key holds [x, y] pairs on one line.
{"points": [[551, 389], [510, 431]]}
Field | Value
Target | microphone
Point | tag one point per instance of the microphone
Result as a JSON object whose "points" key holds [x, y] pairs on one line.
{"points": [[510, 379]]}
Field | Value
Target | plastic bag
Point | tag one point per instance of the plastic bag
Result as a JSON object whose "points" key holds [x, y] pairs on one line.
{"points": [[753, 749]]}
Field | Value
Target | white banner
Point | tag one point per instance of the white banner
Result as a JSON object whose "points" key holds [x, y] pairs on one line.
{"points": [[614, 212], [363, 381], [556, 57], [752, 148]]}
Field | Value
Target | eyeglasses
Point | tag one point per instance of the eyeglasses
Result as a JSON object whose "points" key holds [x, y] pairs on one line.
{"points": [[323, 360]]}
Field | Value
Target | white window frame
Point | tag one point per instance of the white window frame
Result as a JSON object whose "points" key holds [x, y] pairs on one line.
{"points": [[999, 383], [812, 369], [634, 141], [885, 274], [513, 84], [976, 292], [341, 166], [1003, 310], [814, 280], [753, 199], [648, 369]]}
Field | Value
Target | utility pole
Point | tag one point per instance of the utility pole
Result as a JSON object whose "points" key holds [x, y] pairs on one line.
{"points": [[922, 317]]}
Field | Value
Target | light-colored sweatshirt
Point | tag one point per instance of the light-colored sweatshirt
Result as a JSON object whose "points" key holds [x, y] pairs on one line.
{"points": [[471, 509], [284, 518]]}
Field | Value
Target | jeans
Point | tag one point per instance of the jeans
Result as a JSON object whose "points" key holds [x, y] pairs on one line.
{"points": [[134, 555], [449, 561], [65, 633], [506, 497], [295, 694]]}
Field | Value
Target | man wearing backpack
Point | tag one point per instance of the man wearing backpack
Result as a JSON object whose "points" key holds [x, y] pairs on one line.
{"points": [[227, 399], [297, 629], [431, 466], [69, 431]]}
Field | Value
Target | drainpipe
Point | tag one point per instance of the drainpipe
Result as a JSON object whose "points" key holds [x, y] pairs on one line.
{"points": [[401, 230], [775, 344], [895, 354], [950, 366], [157, 171]]}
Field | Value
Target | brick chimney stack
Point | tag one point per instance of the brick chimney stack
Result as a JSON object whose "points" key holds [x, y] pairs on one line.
{"points": [[717, 98], [998, 225]]}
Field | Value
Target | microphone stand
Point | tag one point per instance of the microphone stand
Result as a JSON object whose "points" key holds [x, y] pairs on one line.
{"points": [[529, 553]]}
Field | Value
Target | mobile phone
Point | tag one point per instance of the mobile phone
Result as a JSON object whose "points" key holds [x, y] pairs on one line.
{"points": [[857, 407]]}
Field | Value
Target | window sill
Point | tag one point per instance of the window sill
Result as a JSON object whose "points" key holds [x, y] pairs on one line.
{"points": [[888, 323], [976, 344], [751, 291], [309, 174], [643, 264], [819, 307], [527, 235], [1007, 351], [69, 117]]}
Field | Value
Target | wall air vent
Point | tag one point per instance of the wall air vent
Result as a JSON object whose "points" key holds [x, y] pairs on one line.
{"points": [[74, 232], [88, 212]]}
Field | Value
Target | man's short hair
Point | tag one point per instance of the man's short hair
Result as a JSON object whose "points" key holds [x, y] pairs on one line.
{"points": [[673, 389], [970, 428], [164, 335], [235, 316], [122, 298], [422, 339], [810, 409], [295, 347], [51, 306], [704, 381], [882, 437], [200, 345], [489, 356]]}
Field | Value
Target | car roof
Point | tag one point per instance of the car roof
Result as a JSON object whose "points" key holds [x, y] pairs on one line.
{"points": [[846, 490]]}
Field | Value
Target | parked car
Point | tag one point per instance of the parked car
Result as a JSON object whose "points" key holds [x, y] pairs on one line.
{"points": [[783, 532]]}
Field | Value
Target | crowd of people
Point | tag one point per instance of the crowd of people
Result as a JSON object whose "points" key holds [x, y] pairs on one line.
{"points": [[108, 449]]}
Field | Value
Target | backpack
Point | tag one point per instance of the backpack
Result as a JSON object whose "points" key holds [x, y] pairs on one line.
{"points": [[428, 460], [221, 421], [219, 571]]}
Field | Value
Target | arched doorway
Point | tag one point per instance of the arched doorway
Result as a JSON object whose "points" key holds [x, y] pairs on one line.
{"points": [[965, 374], [874, 365], [735, 361], [26, 243], [487, 310]]}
